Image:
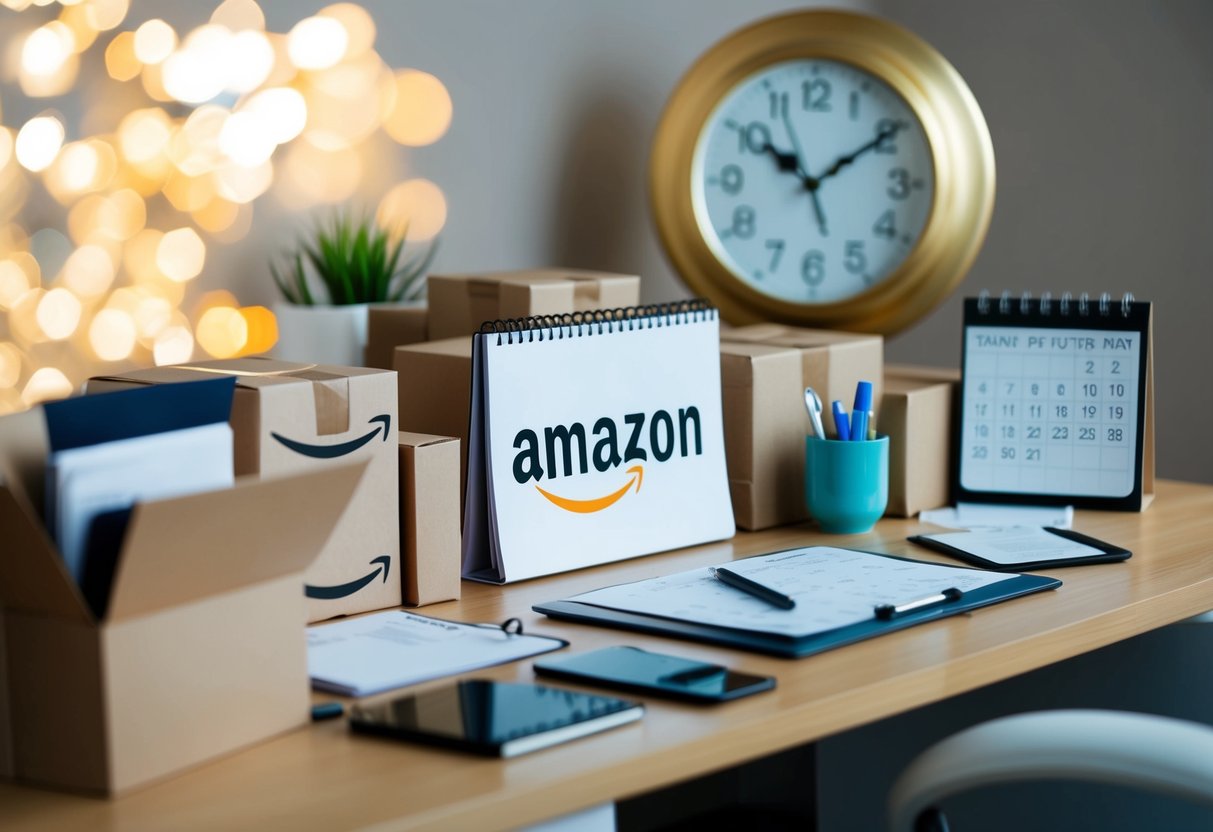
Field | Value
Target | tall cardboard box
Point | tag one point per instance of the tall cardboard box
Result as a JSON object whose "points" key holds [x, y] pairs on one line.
{"points": [[916, 413], [430, 520], [289, 417], [435, 384], [764, 429], [389, 326], [201, 651], [832, 362], [459, 304]]}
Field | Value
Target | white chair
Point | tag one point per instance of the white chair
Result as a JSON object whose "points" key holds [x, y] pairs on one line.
{"points": [[1154, 753]]}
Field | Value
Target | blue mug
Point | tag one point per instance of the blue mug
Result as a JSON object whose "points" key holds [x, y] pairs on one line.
{"points": [[846, 484]]}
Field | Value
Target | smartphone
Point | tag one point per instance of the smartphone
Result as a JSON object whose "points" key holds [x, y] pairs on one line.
{"points": [[495, 719], [641, 671]]}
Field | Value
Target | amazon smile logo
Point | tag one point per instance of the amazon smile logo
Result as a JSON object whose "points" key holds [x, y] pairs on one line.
{"points": [[328, 593], [333, 451], [564, 451]]}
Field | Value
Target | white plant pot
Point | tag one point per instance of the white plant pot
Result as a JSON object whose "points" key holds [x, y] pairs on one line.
{"points": [[321, 334]]}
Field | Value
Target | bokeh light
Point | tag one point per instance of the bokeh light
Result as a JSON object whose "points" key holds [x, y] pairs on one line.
{"points": [[416, 208], [422, 111], [46, 384], [181, 254], [59, 314], [222, 331], [155, 40], [174, 345], [112, 335], [317, 43], [38, 142]]}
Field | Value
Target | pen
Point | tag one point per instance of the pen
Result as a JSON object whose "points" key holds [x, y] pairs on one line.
{"points": [[812, 403], [840, 422], [859, 416], [887, 611], [765, 593]]}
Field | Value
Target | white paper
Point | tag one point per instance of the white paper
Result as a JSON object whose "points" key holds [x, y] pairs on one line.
{"points": [[392, 649], [87, 481], [1017, 544], [652, 388], [832, 588], [984, 515]]}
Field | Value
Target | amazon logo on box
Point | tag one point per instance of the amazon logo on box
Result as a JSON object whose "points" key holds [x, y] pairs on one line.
{"points": [[289, 418]]}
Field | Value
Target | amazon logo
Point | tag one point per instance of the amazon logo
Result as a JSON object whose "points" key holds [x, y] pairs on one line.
{"points": [[328, 593], [565, 451], [333, 451]]}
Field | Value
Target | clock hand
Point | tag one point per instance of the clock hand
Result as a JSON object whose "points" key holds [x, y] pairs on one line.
{"points": [[842, 161], [787, 162], [810, 184]]}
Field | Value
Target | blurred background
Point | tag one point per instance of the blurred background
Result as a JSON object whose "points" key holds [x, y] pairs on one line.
{"points": [[156, 156]]}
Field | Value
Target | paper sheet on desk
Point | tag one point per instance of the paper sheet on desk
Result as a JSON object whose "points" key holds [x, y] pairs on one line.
{"points": [[985, 516], [832, 588]]}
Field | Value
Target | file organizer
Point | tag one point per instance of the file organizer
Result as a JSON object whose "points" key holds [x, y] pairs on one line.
{"points": [[1057, 402], [594, 437]]}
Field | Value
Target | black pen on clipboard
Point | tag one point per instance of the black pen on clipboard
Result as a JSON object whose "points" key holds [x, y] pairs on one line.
{"points": [[757, 590], [887, 612]]}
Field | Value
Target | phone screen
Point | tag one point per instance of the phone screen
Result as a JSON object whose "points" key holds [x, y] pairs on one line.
{"points": [[630, 668]]}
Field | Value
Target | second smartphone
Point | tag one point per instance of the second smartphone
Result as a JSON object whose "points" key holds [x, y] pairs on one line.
{"points": [[641, 671]]}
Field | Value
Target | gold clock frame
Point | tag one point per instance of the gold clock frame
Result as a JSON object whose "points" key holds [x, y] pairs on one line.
{"points": [[956, 131]]}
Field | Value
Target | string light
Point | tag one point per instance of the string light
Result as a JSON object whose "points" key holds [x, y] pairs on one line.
{"points": [[143, 189]]}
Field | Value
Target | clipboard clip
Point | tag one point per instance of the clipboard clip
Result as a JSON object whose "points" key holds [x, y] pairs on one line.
{"points": [[887, 612]]}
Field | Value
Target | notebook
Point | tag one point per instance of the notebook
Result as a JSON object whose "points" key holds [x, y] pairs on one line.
{"points": [[837, 594], [1057, 402], [594, 437]]}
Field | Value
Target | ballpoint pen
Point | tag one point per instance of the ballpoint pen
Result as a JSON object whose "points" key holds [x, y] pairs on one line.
{"points": [[812, 403], [840, 422], [859, 416], [765, 593]]}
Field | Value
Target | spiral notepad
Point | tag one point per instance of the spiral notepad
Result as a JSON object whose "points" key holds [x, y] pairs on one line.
{"points": [[1057, 402], [594, 437]]}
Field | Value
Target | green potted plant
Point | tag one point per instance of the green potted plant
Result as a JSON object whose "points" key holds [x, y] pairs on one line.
{"points": [[331, 278]]}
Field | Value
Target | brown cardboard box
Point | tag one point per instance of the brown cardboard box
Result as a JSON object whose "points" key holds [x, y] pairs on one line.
{"points": [[6, 731], [290, 417], [916, 413], [459, 304], [205, 609], [390, 326], [435, 384], [832, 362], [764, 429], [430, 521]]}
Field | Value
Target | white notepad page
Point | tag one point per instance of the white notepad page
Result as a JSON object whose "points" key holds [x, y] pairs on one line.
{"points": [[1017, 544], [832, 588]]}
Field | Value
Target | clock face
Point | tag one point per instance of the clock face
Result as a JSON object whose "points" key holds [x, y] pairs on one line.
{"points": [[812, 181]]}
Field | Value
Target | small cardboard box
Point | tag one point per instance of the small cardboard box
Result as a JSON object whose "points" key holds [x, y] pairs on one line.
{"points": [[289, 417], [459, 304], [202, 649], [390, 326], [916, 413], [764, 429], [430, 521], [832, 363], [435, 384]]}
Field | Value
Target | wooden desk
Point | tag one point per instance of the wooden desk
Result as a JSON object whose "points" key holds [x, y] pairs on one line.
{"points": [[323, 778]]}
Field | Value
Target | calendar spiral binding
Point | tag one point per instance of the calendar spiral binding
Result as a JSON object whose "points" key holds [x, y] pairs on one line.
{"points": [[599, 321], [1044, 305]]}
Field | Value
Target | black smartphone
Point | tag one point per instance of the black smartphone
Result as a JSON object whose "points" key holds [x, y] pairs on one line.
{"points": [[496, 719], [641, 671]]}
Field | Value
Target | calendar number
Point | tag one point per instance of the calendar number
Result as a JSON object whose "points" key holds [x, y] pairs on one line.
{"points": [[1116, 435]]}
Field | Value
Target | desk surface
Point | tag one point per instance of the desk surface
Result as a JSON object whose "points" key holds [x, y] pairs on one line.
{"points": [[321, 777]]}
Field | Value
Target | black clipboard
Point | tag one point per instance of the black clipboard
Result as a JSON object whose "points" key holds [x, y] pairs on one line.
{"points": [[789, 646], [1107, 553]]}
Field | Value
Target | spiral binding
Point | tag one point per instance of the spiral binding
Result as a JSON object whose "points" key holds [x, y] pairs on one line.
{"points": [[598, 321], [1045, 305]]}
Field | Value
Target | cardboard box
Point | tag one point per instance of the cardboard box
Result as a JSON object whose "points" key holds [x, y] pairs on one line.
{"points": [[916, 413], [459, 304], [435, 389], [289, 417], [430, 521], [205, 610], [764, 429], [390, 326], [832, 362]]}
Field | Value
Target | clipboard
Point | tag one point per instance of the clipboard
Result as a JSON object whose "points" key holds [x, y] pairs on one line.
{"points": [[787, 646], [1107, 552]]}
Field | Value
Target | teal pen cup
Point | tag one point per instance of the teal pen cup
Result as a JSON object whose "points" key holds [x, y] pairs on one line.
{"points": [[846, 484]]}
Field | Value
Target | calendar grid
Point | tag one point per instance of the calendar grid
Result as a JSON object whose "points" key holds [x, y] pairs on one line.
{"points": [[1051, 407]]}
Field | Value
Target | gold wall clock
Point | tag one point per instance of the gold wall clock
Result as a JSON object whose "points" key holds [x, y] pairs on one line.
{"points": [[823, 168]]}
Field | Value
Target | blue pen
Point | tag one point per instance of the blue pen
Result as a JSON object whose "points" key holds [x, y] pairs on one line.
{"points": [[840, 422], [859, 416]]}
